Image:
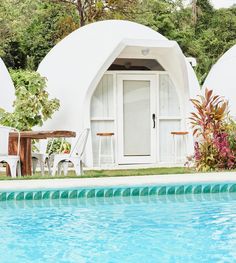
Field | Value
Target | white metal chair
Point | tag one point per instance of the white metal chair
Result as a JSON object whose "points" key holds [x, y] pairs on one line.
{"points": [[12, 160], [75, 155], [42, 156]]}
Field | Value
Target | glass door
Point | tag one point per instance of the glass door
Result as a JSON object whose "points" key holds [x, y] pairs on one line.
{"points": [[136, 118]]}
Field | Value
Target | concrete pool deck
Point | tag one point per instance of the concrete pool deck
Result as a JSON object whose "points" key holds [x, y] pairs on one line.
{"points": [[125, 181]]}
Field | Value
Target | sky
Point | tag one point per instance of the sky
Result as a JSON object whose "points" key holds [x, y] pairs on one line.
{"points": [[222, 3]]}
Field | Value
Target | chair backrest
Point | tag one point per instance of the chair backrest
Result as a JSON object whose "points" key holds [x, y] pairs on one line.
{"points": [[4, 140], [41, 146], [78, 147]]}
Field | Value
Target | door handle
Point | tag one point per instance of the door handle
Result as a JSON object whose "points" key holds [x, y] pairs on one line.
{"points": [[154, 120]]}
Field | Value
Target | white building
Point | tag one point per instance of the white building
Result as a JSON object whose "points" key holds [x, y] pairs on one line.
{"points": [[125, 78], [222, 78], [7, 89]]}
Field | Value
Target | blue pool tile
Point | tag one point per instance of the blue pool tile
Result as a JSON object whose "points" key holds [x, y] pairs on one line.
{"points": [[135, 192], [82, 193], [206, 189], [188, 189], [46, 195], [197, 189], [11, 196], [224, 188], [109, 193], [65, 194], [118, 192], [100, 193], [20, 196], [171, 190], [73, 194], [29, 196], [55, 195], [91, 193], [162, 191], [3, 196], [153, 191], [126, 192], [38, 195], [232, 188], [180, 190], [215, 189], [144, 191]]}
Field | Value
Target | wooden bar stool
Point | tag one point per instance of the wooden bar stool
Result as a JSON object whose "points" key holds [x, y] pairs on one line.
{"points": [[184, 136], [100, 155]]}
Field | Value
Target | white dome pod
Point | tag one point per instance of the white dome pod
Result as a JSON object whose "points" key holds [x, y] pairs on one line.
{"points": [[105, 54], [7, 88], [222, 78]]}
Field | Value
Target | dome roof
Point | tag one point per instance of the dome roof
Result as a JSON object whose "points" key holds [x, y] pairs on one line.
{"points": [[7, 88], [75, 65], [222, 78]]}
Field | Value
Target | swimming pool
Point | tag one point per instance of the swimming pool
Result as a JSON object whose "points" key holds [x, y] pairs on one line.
{"points": [[135, 228]]}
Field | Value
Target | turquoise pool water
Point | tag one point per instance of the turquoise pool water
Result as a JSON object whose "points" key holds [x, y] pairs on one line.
{"points": [[184, 228]]}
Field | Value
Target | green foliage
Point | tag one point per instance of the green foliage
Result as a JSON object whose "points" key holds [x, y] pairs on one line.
{"points": [[94, 10], [32, 105], [211, 112], [29, 29], [215, 132], [58, 146]]}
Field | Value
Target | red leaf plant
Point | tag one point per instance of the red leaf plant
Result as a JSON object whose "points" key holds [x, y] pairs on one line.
{"points": [[210, 121]]}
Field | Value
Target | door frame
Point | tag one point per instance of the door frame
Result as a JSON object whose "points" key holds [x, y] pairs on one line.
{"points": [[121, 159]]}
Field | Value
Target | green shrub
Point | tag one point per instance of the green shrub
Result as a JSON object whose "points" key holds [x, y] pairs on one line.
{"points": [[215, 133], [32, 105]]}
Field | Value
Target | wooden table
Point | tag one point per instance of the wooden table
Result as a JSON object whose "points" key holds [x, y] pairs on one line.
{"points": [[25, 145]]}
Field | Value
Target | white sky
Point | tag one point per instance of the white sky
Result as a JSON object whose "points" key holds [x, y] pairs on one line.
{"points": [[221, 3]]}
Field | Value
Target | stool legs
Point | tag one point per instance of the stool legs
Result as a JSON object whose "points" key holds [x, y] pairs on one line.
{"points": [[183, 151], [100, 155], [175, 149], [112, 150], [99, 150]]}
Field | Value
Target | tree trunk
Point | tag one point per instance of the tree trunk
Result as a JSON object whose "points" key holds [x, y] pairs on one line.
{"points": [[81, 12]]}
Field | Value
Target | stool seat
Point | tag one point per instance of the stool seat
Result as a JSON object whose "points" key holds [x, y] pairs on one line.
{"points": [[105, 133], [179, 132]]}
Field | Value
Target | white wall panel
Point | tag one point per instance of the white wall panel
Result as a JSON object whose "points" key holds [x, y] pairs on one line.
{"points": [[102, 116], [166, 140], [102, 100], [168, 98]]}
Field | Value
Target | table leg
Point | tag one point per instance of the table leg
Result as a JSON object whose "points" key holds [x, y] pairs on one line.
{"points": [[12, 150], [25, 154]]}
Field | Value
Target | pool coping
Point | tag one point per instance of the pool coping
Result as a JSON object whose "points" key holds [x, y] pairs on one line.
{"points": [[125, 181]]}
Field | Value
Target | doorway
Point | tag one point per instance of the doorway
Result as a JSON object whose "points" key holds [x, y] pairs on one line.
{"points": [[136, 119]]}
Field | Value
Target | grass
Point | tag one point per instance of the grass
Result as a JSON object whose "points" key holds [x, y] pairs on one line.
{"points": [[108, 173]]}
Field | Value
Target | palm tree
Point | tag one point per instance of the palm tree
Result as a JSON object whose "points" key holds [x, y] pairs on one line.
{"points": [[194, 11]]}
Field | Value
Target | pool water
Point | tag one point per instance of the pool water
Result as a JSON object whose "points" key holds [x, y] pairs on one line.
{"points": [[186, 228]]}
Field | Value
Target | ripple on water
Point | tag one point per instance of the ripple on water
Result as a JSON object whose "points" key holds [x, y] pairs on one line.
{"points": [[121, 229]]}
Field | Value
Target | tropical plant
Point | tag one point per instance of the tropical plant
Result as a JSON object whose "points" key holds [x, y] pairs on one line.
{"points": [[32, 105], [214, 132], [58, 146]]}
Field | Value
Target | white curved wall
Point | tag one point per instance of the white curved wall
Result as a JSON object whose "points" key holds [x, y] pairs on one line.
{"points": [[75, 65], [7, 89], [222, 78]]}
